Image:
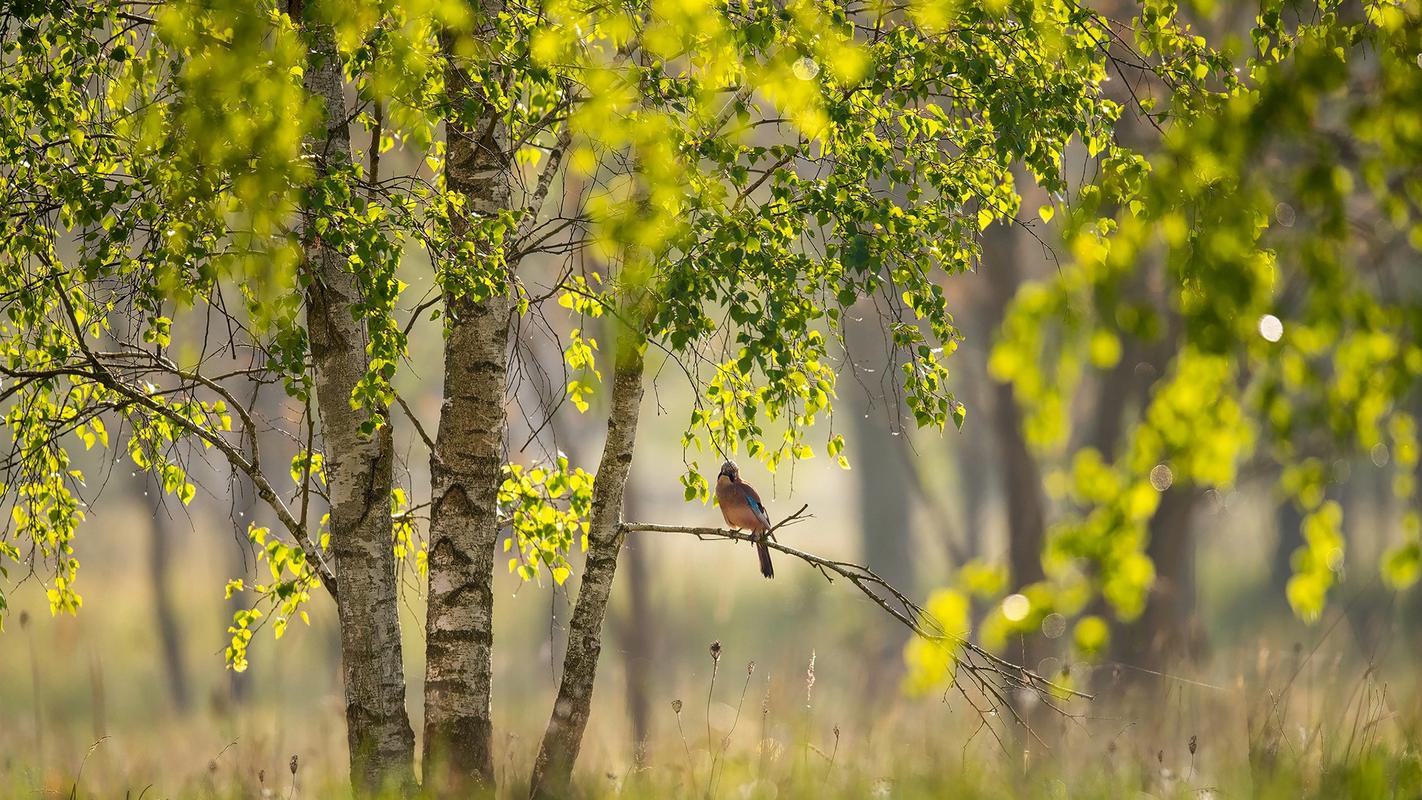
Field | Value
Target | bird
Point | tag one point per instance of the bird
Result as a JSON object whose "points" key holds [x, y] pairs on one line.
{"points": [[743, 509]]}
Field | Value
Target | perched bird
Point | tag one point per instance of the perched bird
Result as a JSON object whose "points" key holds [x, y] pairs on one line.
{"points": [[743, 509]]}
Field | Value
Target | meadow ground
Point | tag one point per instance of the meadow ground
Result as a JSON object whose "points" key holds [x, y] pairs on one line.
{"points": [[1274, 708]]}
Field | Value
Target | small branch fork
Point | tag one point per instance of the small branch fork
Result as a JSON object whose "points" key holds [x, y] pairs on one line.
{"points": [[993, 675]]}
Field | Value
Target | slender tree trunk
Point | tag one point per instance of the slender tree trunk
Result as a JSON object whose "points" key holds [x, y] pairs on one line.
{"points": [[884, 481], [974, 459], [552, 771], [465, 473], [1288, 521], [977, 475], [1169, 627], [635, 635], [358, 469], [885, 505], [1022, 480], [160, 543], [1115, 391], [1022, 485]]}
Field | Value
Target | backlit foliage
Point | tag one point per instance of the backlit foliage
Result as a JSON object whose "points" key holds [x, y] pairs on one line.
{"points": [[1281, 218], [547, 507]]}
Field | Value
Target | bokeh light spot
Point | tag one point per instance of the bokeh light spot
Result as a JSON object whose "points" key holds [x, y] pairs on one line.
{"points": [[806, 69], [1053, 625], [1161, 477], [1271, 328], [1015, 607], [1050, 668], [1379, 455], [1284, 213]]}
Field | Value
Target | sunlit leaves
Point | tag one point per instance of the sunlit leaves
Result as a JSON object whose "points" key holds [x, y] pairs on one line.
{"points": [[580, 357], [547, 507], [1091, 635], [894, 144], [405, 538], [284, 596], [1402, 565], [1317, 561]]}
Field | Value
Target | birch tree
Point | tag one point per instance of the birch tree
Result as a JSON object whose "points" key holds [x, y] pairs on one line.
{"points": [[187, 170]]}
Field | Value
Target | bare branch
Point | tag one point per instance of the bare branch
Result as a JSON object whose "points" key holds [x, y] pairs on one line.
{"points": [[545, 180], [990, 672], [420, 429]]}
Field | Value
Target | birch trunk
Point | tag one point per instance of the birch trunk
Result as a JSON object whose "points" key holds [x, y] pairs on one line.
{"points": [[465, 473], [465, 476], [358, 469], [553, 770]]}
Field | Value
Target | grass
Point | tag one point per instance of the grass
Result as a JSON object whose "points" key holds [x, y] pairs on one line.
{"points": [[1300, 724], [800, 700]]}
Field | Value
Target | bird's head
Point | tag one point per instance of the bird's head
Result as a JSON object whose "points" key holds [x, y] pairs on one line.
{"points": [[730, 470]]}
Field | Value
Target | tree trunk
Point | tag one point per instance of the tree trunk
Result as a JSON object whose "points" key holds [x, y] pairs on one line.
{"points": [[465, 474], [883, 480], [552, 771], [636, 635], [165, 619], [972, 451], [1169, 627], [1115, 391], [1021, 478], [358, 470], [464, 527], [885, 506], [1022, 481], [1288, 521]]}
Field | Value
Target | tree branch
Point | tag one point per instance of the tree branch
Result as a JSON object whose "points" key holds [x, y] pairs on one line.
{"points": [[986, 668], [103, 376]]}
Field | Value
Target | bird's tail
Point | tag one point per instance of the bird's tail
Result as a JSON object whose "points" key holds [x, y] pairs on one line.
{"points": [[766, 568]]}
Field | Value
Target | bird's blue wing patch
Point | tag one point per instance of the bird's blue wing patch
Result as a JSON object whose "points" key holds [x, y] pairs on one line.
{"points": [[756, 505]]}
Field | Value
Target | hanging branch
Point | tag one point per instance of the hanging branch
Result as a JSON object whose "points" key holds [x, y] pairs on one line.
{"points": [[993, 675], [106, 372]]}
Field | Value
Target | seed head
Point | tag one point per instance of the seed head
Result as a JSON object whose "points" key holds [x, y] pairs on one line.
{"points": [[676, 706], [293, 765], [716, 650], [1193, 742], [810, 678]]}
